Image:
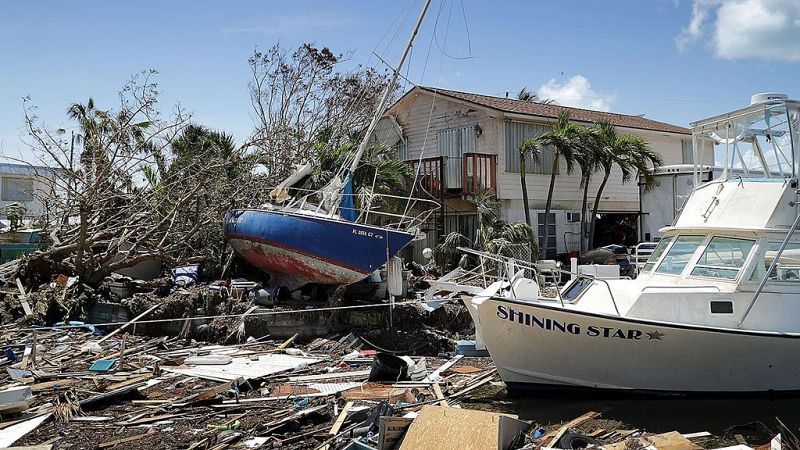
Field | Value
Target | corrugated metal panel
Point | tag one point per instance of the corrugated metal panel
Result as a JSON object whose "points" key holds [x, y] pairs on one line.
{"points": [[516, 134], [453, 143], [402, 151]]}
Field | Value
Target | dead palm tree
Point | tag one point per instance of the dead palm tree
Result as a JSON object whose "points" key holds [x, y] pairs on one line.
{"points": [[632, 154]]}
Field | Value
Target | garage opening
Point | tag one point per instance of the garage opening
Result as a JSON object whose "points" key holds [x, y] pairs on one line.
{"points": [[615, 228]]}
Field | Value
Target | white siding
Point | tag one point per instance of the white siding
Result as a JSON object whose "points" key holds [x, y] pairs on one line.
{"points": [[617, 197], [415, 113], [33, 207]]}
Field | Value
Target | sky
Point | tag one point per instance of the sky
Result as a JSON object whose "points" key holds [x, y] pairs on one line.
{"points": [[672, 60]]}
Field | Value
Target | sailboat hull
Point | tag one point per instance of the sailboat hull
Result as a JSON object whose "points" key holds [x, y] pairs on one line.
{"points": [[300, 249], [536, 344]]}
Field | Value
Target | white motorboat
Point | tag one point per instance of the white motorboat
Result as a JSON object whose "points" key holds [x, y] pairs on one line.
{"points": [[716, 307]]}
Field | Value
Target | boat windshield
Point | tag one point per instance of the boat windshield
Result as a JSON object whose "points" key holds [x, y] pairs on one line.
{"points": [[723, 257], [679, 254], [657, 252], [787, 270], [758, 141]]}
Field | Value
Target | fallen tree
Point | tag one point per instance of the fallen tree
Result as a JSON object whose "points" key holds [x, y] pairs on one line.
{"points": [[131, 184]]}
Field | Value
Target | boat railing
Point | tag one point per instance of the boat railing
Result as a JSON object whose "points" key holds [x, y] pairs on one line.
{"points": [[532, 267], [716, 288], [415, 214]]}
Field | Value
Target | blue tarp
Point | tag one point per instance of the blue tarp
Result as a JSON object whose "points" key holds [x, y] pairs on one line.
{"points": [[347, 207]]}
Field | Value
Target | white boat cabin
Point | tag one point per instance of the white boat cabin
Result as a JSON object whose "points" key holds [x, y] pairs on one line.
{"points": [[711, 266]]}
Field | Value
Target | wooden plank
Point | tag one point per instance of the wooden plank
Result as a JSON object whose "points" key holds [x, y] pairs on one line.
{"points": [[145, 420], [674, 441], [332, 376], [129, 382], [126, 439], [23, 298], [211, 392], [339, 422], [149, 310], [55, 384], [26, 357], [437, 391], [572, 424], [437, 373]]}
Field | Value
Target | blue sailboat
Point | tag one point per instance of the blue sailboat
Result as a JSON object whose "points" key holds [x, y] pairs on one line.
{"points": [[300, 243]]}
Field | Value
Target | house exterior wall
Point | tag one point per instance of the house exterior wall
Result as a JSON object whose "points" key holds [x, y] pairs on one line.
{"points": [[415, 113], [567, 193], [422, 115], [33, 206]]}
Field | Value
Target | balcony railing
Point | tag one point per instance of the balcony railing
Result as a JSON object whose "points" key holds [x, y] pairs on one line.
{"points": [[479, 173], [448, 176]]}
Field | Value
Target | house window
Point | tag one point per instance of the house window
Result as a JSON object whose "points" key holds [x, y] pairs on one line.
{"points": [[516, 134], [402, 151], [547, 249], [17, 190], [687, 153], [464, 224], [453, 143]]}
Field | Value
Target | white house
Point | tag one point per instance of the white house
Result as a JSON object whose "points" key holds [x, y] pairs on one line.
{"points": [[20, 183], [465, 142]]}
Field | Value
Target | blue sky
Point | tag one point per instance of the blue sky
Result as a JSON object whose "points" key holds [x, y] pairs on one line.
{"points": [[672, 60]]}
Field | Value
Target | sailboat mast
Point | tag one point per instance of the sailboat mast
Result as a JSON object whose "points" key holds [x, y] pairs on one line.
{"points": [[389, 88]]}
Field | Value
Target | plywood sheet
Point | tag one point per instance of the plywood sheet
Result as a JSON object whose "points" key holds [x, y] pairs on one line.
{"points": [[440, 428]]}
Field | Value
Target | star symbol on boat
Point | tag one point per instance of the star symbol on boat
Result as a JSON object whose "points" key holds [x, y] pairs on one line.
{"points": [[654, 335]]}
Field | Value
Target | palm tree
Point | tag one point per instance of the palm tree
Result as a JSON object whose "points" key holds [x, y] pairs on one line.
{"points": [[198, 144], [527, 96], [563, 139], [494, 235], [588, 161], [380, 172], [529, 149], [632, 154]]}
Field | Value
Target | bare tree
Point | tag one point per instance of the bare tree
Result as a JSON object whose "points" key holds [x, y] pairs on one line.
{"points": [[114, 202], [300, 98]]}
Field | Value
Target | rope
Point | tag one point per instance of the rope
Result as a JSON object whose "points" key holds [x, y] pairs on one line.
{"points": [[262, 313]]}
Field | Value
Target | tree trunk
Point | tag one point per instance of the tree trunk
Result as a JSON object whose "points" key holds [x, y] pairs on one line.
{"points": [[584, 206], [524, 190], [527, 205], [596, 206], [549, 204]]}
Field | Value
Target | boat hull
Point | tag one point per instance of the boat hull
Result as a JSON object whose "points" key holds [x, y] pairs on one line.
{"points": [[537, 344], [299, 249]]}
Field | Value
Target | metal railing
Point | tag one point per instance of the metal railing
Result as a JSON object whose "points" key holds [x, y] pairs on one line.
{"points": [[424, 208], [531, 266], [478, 174]]}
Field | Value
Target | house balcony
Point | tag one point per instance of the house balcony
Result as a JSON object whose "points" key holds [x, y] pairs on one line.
{"points": [[450, 176]]}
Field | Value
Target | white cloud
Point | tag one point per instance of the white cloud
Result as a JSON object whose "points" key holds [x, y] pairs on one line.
{"points": [[576, 92], [745, 29]]}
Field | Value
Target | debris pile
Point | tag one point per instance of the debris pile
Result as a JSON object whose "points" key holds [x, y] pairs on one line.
{"points": [[69, 387]]}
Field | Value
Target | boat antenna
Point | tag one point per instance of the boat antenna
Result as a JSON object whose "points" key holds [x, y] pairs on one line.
{"points": [[389, 88]]}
